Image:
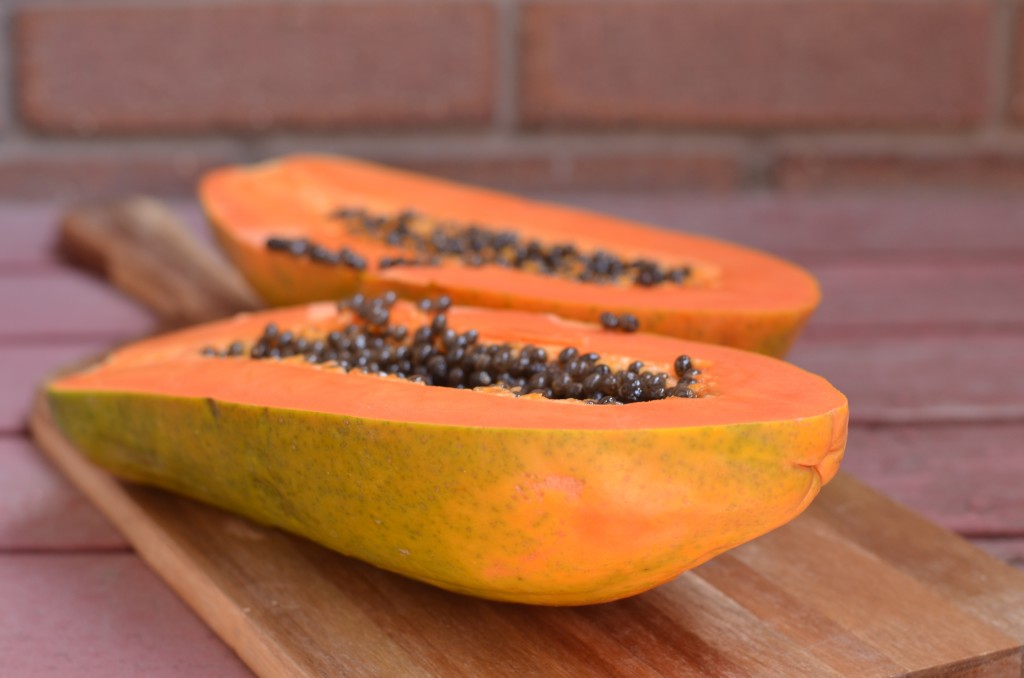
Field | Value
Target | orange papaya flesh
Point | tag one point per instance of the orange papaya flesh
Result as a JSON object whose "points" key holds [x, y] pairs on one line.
{"points": [[733, 295], [517, 499]]}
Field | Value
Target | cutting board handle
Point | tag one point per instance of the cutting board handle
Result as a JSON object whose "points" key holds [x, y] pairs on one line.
{"points": [[143, 249]]}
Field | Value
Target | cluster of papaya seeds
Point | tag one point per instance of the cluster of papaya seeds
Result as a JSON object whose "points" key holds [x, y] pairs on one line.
{"points": [[437, 355]]}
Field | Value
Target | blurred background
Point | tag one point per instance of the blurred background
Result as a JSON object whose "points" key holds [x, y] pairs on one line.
{"points": [[108, 96]]}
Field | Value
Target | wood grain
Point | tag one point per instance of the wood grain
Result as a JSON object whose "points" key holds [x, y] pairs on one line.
{"points": [[921, 549], [140, 247]]}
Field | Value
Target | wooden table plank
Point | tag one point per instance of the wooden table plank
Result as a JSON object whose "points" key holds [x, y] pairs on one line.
{"points": [[27, 233], [966, 477], [812, 229], [41, 511], [783, 608], [954, 377], [24, 367], [100, 608], [66, 303], [968, 295]]}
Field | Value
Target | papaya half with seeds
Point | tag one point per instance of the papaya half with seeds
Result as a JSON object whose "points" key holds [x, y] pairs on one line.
{"points": [[306, 228], [483, 491]]}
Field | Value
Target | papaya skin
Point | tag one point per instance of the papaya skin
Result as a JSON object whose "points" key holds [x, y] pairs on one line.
{"points": [[736, 296], [620, 500]]}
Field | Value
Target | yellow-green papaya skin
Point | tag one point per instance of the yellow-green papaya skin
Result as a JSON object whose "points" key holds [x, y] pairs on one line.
{"points": [[542, 516]]}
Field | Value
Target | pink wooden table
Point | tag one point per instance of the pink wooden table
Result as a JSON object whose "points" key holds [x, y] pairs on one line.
{"points": [[922, 326]]}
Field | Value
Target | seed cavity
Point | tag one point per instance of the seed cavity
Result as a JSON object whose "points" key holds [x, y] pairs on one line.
{"points": [[438, 355], [430, 242]]}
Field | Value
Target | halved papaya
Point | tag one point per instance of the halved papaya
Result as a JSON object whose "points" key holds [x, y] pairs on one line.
{"points": [[486, 491], [306, 228]]}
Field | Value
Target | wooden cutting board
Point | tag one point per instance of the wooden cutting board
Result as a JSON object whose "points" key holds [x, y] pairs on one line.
{"points": [[857, 586]]}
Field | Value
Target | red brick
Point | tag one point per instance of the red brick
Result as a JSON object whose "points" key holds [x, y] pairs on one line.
{"points": [[887, 170], [255, 67], [72, 176], [716, 172], [787, 63]]}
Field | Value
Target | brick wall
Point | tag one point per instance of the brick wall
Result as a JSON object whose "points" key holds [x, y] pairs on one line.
{"points": [[106, 97]]}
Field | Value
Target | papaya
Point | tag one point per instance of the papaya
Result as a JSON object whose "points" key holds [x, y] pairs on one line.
{"points": [[305, 228], [334, 422]]}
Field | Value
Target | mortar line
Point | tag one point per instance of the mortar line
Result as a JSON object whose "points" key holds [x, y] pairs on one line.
{"points": [[1002, 68], [506, 91], [758, 149], [9, 120], [1005, 68]]}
